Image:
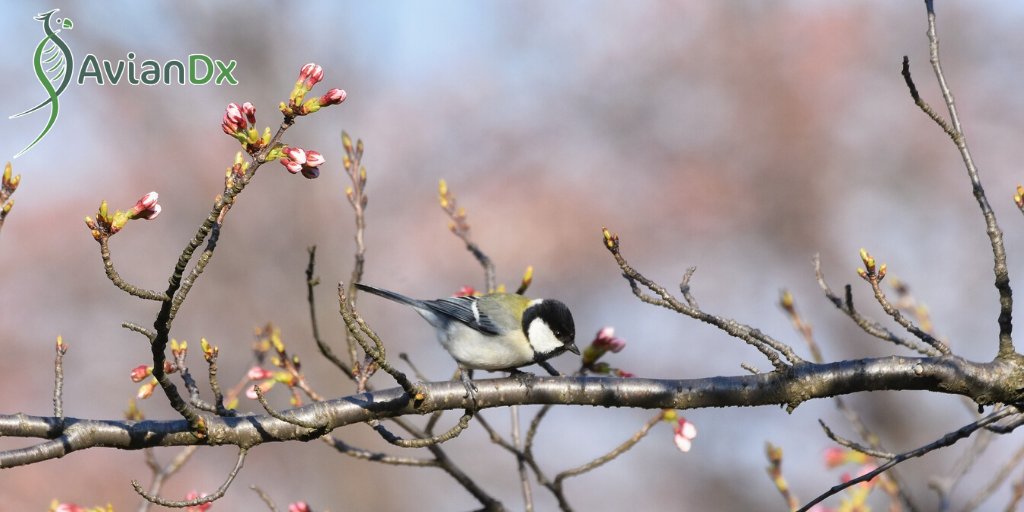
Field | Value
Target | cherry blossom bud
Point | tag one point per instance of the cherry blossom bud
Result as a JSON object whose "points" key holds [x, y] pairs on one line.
{"points": [[606, 332], [299, 506], [333, 97], [684, 432], [233, 114], [250, 112], [146, 389], [296, 155], [151, 214], [293, 167], [147, 201], [314, 159], [139, 373], [311, 74], [258, 373]]}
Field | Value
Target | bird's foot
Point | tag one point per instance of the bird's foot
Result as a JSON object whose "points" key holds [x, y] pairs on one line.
{"points": [[471, 389]]}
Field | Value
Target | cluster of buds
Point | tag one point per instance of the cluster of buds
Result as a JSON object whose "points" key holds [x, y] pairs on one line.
{"points": [[240, 123], [237, 170], [683, 432], [7, 187], [870, 272], [458, 225], [297, 160], [107, 224], [604, 342], [268, 342], [298, 105]]}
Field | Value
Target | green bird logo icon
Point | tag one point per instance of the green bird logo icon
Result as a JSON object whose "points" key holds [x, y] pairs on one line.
{"points": [[53, 63]]}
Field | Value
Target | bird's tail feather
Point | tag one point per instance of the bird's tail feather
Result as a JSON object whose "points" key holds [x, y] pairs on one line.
{"points": [[397, 297]]}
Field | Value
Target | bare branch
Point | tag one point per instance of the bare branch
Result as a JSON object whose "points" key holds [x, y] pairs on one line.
{"points": [[770, 347], [264, 497], [946, 440], [201, 500], [866, 324], [58, 379], [956, 133]]}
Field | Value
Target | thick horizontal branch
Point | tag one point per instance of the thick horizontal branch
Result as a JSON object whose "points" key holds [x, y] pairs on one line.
{"points": [[1000, 381]]}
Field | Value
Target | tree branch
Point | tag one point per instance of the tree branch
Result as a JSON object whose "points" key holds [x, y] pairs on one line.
{"points": [[985, 383]]}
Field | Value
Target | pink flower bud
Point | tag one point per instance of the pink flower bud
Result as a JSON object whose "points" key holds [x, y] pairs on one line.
{"points": [[311, 173], [296, 155], [314, 159], [146, 389], [233, 114], [258, 373], [250, 112], [292, 166], [684, 432], [298, 506], [151, 213], [139, 373], [333, 97], [311, 74], [146, 202], [605, 333], [228, 128], [146, 207]]}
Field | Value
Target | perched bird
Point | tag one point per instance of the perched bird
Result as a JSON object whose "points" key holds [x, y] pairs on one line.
{"points": [[497, 331]]}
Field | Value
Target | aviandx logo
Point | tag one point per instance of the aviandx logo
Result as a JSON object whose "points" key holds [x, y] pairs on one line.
{"points": [[54, 66]]}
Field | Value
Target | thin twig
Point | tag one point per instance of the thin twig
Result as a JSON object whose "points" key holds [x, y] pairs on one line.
{"points": [[997, 481], [460, 228], [768, 346], [312, 425], [58, 379], [130, 289], [264, 497], [615, 452], [422, 442], [201, 500], [356, 195], [161, 474], [995, 234], [311, 282], [946, 440], [868, 325], [524, 477]]}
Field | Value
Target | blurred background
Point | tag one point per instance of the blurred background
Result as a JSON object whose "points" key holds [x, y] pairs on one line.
{"points": [[740, 137]]}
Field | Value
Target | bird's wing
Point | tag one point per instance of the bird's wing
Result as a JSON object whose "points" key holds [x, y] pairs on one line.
{"points": [[465, 310]]}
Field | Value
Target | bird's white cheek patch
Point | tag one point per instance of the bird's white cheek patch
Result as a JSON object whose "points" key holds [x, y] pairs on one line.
{"points": [[541, 337]]}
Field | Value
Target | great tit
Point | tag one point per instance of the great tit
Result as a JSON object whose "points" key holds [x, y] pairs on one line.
{"points": [[495, 332]]}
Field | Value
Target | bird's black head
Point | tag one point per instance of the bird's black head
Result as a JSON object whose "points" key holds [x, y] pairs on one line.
{"points": [[549, 327]]}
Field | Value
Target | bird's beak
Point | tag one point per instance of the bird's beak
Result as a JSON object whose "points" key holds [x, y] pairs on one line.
{"points": [[571, 347]]}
